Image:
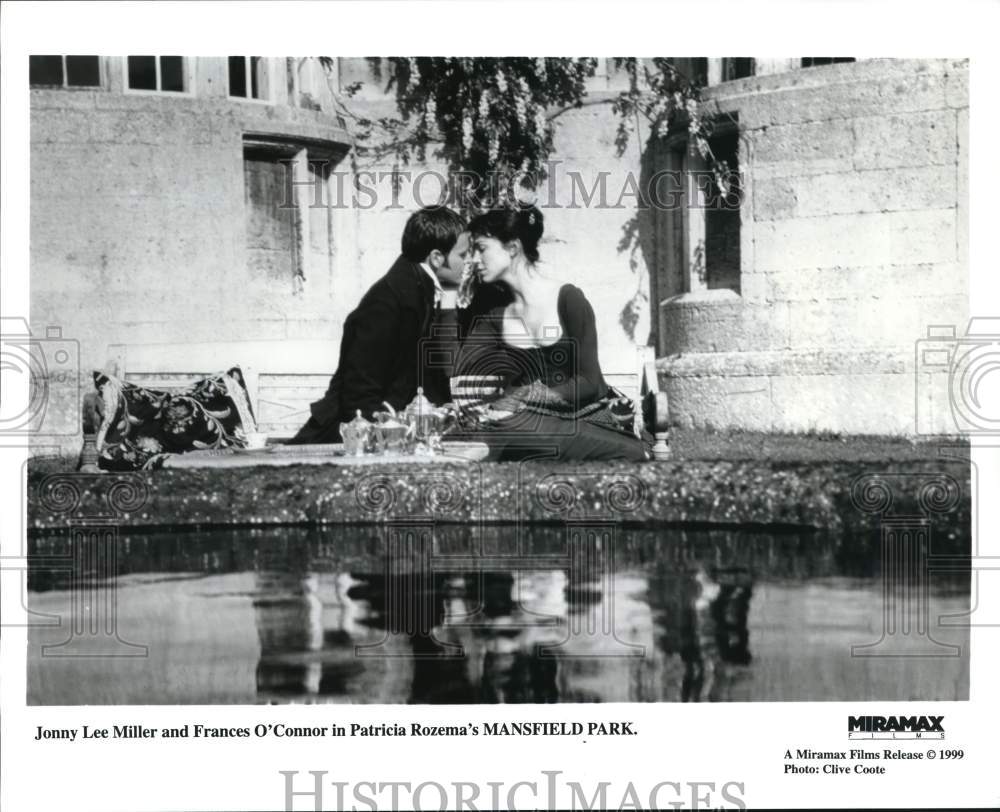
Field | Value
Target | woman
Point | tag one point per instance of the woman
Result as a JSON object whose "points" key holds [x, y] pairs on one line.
{"points": [[541, 340]]}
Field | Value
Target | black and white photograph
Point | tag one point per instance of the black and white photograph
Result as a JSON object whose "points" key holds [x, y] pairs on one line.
{"points": [[438, 384]]}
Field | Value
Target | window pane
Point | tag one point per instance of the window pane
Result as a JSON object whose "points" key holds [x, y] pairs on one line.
{"points": [[45, 70], [142, 72], [813, 61], [83, 71], [722, 220], [172, 73], [737, 67], [272, 249], [237, 76], [255, 68]]}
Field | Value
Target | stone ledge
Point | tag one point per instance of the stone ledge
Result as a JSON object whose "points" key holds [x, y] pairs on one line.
{"points": [[840, 73], [277, 118], [786, 362], [654, 494]]}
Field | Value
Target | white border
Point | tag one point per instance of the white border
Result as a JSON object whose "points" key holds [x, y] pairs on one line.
{"points": [[721, 743]]}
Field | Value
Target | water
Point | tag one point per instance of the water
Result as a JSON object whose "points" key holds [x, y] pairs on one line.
{"points": [[483, 615]]}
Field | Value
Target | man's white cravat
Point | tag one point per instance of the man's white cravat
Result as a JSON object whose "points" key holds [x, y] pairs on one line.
{"points": [[438, 290]]}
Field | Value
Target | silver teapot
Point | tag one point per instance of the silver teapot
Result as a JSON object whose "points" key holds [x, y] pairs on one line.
{"points": [[356, 435]]}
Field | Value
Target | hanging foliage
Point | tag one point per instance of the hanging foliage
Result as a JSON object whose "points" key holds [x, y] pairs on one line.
{"points": [[493, 119]]}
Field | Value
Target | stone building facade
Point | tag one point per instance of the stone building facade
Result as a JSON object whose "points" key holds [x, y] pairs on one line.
{"points": [[156, 217]]}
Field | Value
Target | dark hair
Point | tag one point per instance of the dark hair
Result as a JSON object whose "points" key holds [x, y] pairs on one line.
{"points": [[523, 223], [432, 227]]}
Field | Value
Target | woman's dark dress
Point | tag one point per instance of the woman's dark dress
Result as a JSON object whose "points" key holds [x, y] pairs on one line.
{"points": [[564, 423]]}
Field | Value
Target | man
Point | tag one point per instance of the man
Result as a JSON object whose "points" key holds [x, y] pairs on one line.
{"points": [[380, 352]]}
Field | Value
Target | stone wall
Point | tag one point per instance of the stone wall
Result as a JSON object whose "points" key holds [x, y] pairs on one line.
{"points": [[138, 226], [855, 235]]}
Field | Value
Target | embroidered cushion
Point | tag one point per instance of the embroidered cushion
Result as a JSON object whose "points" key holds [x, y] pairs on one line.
{"points": [[141, 426]]}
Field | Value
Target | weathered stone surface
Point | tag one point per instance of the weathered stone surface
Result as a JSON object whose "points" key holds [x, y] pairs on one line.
{"points": [[732, 402], [931, 187], [850, 99], [775, 198], [824, 146], [844, 240], [887, 283], [719, 321], [860, 404], [923, 236], [916, 139], [849, 323], [836, 361], [956, 87]]}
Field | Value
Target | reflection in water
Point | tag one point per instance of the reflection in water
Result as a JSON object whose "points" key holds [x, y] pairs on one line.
{"points": [[426, 614]]}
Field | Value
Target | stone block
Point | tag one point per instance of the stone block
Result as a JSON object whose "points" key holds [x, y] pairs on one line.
{"points": [[852, 404], [722, 403], [817, 361], [721, 321], [854, 322], [775, 198], [933, 402], [854, 192], [847, 240], [956, 87], [950, 308], [915, 139], [61, 126], [800, 149], [887, 282], [931, 187], [855, 98], [756, 288], [57, 100], [896, 321], [923, 236]]}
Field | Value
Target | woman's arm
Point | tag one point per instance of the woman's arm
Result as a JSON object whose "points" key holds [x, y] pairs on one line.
{"points": [[587, 385]]}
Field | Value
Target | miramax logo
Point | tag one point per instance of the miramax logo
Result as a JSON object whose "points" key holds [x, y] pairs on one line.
{"points": [[895, 727]]}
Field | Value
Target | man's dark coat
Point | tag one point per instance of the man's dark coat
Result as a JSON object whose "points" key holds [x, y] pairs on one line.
{"points": [[381, 354]]}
